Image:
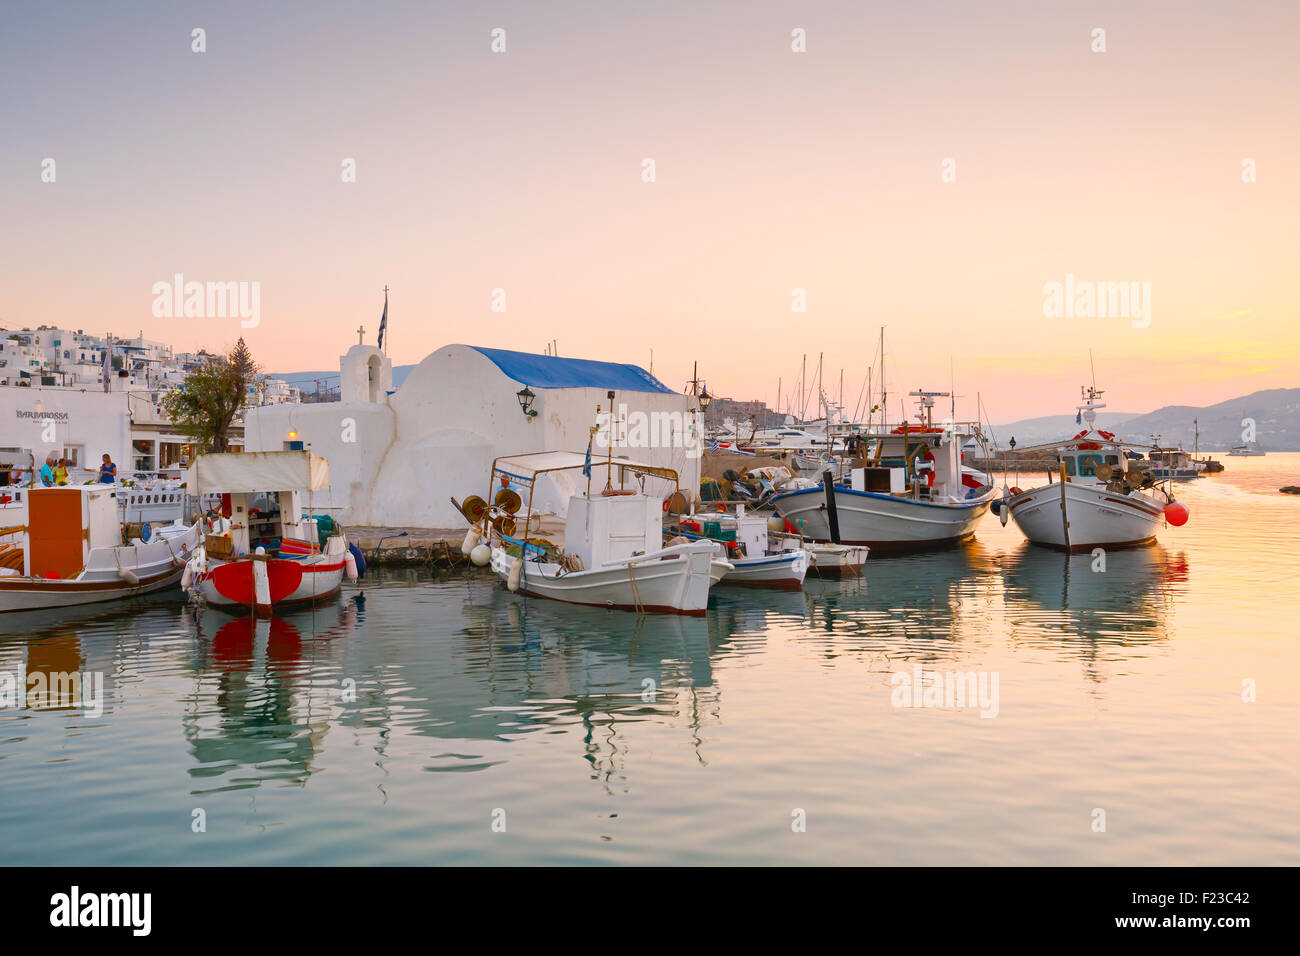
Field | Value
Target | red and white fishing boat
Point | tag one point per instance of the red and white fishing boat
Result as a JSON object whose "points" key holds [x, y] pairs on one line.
{"points": [[1103, 499], [261, 553], [68, 551]]}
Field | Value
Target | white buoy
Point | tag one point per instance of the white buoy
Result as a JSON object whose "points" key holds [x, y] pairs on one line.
{"points": [[350, 565], [775, 523], [481, 555], [516, 569], [130, 577], [471, 539], [187, 578]]}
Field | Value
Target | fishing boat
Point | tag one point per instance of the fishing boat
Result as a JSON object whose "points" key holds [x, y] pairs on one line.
{"points": [[261, 554], [69, 551], [1104, 498], [758, 557], [836, 560], [1207, 465], [610, 552], [911, 492], [1172, 464]]}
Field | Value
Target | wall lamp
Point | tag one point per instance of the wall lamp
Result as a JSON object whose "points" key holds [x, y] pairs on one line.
{"points": [[526, 396]]}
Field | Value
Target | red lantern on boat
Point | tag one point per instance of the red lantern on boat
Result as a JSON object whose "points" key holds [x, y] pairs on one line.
{"points": [[1176, 513]]}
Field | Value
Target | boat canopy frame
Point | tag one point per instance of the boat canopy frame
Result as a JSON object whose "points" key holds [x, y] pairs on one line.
{"points": [[556, 461]]}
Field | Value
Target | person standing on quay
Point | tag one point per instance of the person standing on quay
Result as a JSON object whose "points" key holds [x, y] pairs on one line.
{"points": [[107, 471]]}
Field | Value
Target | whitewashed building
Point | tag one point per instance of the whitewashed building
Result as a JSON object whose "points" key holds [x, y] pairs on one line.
{"points": [[397, 457]]}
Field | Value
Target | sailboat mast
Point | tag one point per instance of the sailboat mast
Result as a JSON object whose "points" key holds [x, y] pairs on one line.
{"points": [[884, 395]]}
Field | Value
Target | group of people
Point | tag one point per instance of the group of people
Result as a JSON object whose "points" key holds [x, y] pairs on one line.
{"points": [[55, 472]]}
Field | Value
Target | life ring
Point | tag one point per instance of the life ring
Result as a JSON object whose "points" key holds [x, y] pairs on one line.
{"points": [[1016, 491], [667, 502]]}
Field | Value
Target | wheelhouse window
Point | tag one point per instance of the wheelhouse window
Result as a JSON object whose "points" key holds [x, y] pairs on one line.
{"points": [[1088, 464]]}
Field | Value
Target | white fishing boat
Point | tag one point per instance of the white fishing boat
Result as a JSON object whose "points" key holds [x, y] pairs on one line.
{"points": [[1175, 464], [1103, 498], [912, 492], [69, 551], [757, 556], [611, 551], [836, 560], [262, 554]]}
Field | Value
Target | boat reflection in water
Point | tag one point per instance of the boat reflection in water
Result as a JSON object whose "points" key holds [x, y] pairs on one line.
{"points": [[1121, 598], [261, 704], [907, 606]]}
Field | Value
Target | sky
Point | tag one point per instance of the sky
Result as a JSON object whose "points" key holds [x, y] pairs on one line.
{"points": [[927, 167]]}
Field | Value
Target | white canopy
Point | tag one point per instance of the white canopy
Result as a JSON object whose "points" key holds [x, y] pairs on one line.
{"points": [[257, 471], [534, 463]]}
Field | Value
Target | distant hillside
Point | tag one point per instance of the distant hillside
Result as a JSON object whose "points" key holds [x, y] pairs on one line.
{"points": [[1034, 431], [1276, 412], [307, 380]]}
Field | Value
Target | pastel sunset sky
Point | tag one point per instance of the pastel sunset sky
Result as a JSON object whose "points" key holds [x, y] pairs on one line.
{"points": [[775, 170]]}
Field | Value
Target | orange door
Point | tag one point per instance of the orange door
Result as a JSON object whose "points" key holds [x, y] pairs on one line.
{"points": [[54, 531]]}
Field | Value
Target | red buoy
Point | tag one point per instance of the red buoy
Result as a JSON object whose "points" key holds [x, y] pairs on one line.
{"points": [[1176, 513]]}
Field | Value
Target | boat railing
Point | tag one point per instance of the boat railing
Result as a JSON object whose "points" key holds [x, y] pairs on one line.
{"points": [[690, 548]]}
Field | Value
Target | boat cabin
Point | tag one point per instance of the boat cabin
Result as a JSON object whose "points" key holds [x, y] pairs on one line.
{"points": [[1082, 463], [923, 462], [63, 525], [615, 513], [265, 500]]}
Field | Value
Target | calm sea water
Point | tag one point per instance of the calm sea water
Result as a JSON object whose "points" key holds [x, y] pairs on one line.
{"points": [[399, 724]]}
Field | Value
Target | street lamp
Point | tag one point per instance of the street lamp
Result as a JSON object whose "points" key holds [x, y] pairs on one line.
{"points": [[526, 396], [705, 398]]}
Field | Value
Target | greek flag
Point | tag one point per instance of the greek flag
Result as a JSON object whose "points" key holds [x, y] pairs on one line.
{"points": [[1078, 417], [383, 323], [108, 364], [586, 465], [715, 447]]}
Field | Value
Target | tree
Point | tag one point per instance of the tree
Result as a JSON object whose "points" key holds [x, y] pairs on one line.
{"points": [[213, 395]]}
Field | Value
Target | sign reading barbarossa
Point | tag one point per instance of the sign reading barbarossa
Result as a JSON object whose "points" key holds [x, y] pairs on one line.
{"points": [[43, 416]]}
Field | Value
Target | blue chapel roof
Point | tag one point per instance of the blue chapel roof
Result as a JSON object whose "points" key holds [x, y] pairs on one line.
{"points": [[552, 371]]}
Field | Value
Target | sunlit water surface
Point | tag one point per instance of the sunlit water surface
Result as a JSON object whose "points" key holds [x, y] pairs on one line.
{"points": [[422, 715]]}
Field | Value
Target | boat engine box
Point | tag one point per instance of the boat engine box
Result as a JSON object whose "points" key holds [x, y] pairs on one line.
{"points": [[609, 527], [888, 481]]}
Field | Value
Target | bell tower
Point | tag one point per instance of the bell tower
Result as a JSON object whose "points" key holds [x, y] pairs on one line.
{"points": [[365, 374]]}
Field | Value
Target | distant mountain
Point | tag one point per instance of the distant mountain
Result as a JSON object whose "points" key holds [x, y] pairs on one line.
{"points": [[1035, 431], [307, 380], [1275, 411]]}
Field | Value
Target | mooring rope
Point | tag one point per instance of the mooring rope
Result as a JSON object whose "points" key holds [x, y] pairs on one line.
{"points": [[636, 591]]}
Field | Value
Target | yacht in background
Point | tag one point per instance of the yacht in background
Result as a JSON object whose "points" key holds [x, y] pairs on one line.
{"points": [[1248, 449]]}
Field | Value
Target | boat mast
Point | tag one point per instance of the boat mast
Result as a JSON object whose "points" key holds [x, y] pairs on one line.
{"points": [[884, 395]]}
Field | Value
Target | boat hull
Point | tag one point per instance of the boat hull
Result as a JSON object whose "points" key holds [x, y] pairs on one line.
{"points": [[29, 594], [676, 583], [233, 585], [837, 560], [1097, 518], [784, 570], [883, 522], [110, 574]]}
